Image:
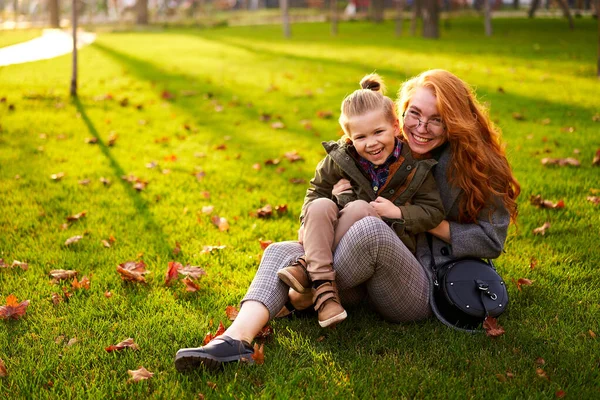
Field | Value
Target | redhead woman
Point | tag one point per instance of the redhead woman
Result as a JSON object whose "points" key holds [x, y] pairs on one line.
{"points": [[441, 119]]}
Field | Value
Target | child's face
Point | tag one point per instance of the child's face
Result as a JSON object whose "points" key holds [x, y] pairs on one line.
{"points": [[373, 136]]}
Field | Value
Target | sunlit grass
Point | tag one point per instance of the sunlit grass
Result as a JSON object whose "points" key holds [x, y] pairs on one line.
{"points": [[222, 83]]}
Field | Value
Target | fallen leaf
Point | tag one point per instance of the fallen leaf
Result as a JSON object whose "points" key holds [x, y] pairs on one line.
{"points": [[56, 298], [265, 333], [264, 243], [492, 329], [546, 121], [231, 312], [293, 156], [84, 182], [594, 199], [592, 334], [60, 274], [107, 294], [325, 114], [177, 248], [273, 161], [139, 374], [105, 181], [211, 385], [166, 95], [210, 249], [105, 243], [265, 211], [192, 271], [132, 271], [3, 371], [13, 309], [541, 373], [73, 239], [76, 217], [207, 209], [560, 394], [259, 355], [221, 146], [320, 338], [112, 139], [518, 116], [220, 329], [256, 166], [540, 361], [522, 282], [538, 201], [569, 129], [23, 265], [561, 161], [172, 272], [220, 223], [205, 194], [58, 176], [501, 377], [71, 342], [171, 158], [510, 375], [532, 263], [207, 338], [91, 140], [278, 125], [84, 283], [596, 118], [127, 343], [281, 209], [542, 229], [596, 160], [190, 285], [297, 181]]}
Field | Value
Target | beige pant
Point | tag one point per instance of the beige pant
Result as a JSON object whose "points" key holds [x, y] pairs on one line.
{"points": [[324, 227]]}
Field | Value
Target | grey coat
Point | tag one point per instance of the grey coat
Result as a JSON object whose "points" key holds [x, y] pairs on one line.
{"points": [[485, 239]]}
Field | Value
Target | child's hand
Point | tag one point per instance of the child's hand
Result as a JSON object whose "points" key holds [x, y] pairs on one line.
{"points": [[342, 186], [386, 208]]}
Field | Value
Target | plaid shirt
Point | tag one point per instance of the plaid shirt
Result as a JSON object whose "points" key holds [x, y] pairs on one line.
{"points": [[380, 173]]}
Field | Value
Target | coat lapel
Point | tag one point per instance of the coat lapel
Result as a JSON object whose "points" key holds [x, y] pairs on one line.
{"points": [[448, 192]]}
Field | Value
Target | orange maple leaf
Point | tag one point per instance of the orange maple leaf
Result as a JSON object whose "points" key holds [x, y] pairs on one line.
{"points": [[172, 271], [127, 343], [492, 328], [13, 309], [190, 285], [231, 312], [259, 354], [132, 271], [220, 329]]}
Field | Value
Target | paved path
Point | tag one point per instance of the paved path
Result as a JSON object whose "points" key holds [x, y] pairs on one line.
{"points": [[52, 43]]}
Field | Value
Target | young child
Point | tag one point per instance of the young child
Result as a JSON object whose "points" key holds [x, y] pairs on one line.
{"points": [[369, 172]]}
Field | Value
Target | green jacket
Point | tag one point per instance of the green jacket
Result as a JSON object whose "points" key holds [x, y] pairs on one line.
{"points": [[410, 186]]}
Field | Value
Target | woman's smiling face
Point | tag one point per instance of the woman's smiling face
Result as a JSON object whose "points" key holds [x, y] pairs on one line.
{"points": [[423, 105]]}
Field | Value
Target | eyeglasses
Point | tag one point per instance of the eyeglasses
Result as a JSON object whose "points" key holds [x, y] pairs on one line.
{"points": [[434, 126]]}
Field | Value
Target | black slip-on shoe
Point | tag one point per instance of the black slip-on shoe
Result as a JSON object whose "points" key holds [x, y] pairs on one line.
{"points": [[222, 349]]}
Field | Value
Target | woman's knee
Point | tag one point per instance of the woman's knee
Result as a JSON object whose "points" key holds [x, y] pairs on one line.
{"points": [[282, 253]]}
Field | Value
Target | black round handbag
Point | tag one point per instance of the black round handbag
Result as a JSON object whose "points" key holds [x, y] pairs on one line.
{"points": [[468, 290]]}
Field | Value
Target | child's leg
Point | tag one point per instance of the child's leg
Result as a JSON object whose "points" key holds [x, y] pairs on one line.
{"points": [[353, 212], [320, 223]]}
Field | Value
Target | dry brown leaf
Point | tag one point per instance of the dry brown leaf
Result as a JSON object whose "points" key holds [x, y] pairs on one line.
{"points": [[501, 377], [13, 309], [293, 156], [211, 385], [3, 370], [325, 114], [538, 201], [58, 176], [105, 243], [231, 312], [592, 334], [542, 229], [560, 394], [265, 333], [190, 285], [297, 181], [71, 342], [177, 248], [522, 282], [220, 329], [220, 223], [207, 209], [56, 298], [259, 354], [532, 263], [60, 274], [596, 160], [210, 249], [127, 343], [107, 294], [278, 125], [23, 265], [541, 373], [594, 199], [73, 239], [84, 283], [518, 116], [272, 161], [139, 374], [172, 272], [265, 211], [561, 161], [492, 328], [132, 271], [540, 361], [264, 243], [192, 271], [256, 166]]}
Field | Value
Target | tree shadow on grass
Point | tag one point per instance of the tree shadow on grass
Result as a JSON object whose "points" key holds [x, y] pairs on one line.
{"points": [[150, 226]]}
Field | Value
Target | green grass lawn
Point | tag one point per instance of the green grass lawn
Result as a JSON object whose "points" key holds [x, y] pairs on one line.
{"points": [[193, 102], [10, 37]]}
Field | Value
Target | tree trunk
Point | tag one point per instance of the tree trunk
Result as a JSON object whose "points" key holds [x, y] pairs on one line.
{"points": [[598, 20], [16, 8], [53, 8], [534, 5], [487, 8], [516, 4], [565, 9], [399, 17], [415, 16], [377, 7], [73, 90], [334, 17], [142, 12], [431, 19], [285, 15]]}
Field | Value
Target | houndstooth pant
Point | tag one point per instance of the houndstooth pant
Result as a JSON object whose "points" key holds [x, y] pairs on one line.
{"points": [[370, 262]]}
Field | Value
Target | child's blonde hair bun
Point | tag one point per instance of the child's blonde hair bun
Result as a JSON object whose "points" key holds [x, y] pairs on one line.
{"points": [[373, 82]]}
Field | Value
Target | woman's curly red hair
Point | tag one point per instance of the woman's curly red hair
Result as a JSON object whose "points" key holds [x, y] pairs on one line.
{"points": [[479, 165]]}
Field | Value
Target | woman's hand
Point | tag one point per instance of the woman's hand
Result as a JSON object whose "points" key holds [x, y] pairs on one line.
{"points": [[301, 234], [342, 186], [386, 208]]}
